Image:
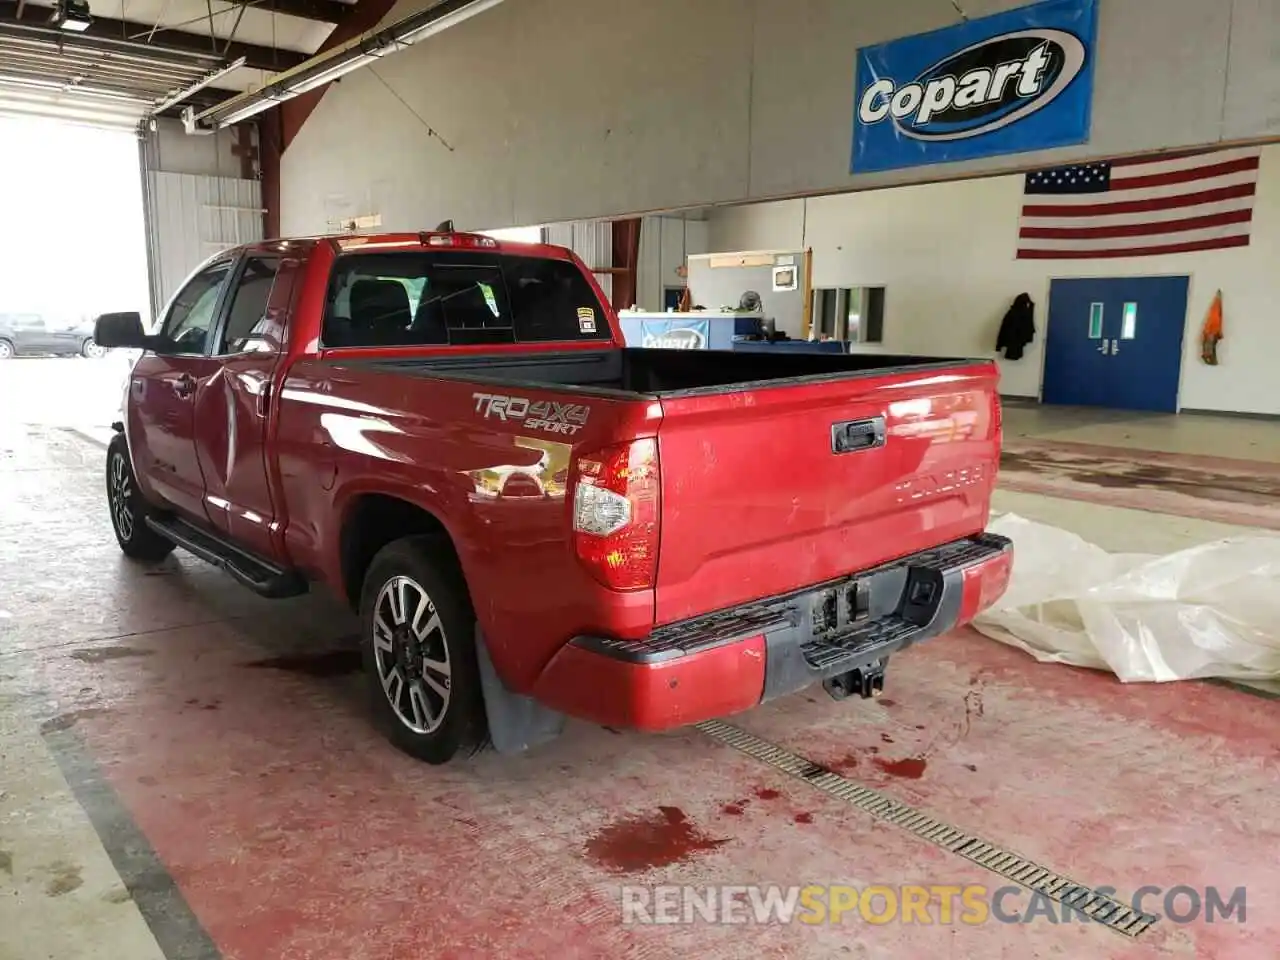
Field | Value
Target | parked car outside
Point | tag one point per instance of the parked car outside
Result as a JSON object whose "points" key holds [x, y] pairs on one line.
{"points": [[30, 334]]}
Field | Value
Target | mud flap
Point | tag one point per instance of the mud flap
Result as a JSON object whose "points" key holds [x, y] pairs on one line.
{"points": [[516, 722]]}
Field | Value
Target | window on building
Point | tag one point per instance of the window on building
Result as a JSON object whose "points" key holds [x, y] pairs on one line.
{"points": [[1129, 322], [849, 313], [1095, 321]]}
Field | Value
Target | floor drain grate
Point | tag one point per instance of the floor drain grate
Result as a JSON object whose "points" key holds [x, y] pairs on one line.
{"points": [[1105, 910]]}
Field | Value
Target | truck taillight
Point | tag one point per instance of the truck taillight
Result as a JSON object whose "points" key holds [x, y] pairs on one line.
{"points": [[616, 514]]}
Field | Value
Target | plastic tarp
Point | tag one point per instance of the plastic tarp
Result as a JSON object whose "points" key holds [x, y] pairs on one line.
{"points": [[1208, 611]]}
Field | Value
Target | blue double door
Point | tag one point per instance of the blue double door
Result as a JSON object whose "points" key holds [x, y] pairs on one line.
{"points": [[1116, 342]]}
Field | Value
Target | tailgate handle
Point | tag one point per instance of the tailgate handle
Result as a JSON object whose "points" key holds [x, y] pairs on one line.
{"points": [[854, 435]]}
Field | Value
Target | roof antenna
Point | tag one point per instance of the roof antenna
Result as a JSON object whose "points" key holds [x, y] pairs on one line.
{"points": [[445, 226]]}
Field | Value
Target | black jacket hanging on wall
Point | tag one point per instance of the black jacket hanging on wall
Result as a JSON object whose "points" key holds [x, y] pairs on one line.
{"points": [[1018, 328]]}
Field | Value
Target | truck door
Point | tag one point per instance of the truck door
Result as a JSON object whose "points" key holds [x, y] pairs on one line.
{"points": [[164, 385], [232, 407]]}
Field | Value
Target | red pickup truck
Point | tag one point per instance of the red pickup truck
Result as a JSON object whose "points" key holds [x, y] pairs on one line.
{"points": [[532, 520]]}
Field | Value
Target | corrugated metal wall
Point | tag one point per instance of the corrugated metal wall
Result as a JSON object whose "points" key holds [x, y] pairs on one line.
{"points": [[592, 240], [190, 218]]}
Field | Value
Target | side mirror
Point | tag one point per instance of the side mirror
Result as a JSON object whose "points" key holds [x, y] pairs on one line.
{"points": [[112, 330]]}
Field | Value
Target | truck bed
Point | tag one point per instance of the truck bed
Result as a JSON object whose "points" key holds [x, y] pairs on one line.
{"points": [[779, 471], [656, 373]]}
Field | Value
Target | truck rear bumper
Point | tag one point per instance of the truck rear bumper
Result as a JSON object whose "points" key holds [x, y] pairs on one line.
{"points": [[723, 663]]}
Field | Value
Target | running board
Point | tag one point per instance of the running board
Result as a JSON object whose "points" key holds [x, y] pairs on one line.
{"points": [[260, 576]]}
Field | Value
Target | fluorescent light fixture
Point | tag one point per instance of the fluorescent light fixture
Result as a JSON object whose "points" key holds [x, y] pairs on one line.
{"points": [[177, 96], [245, 112], [356, 53], [448, 20], [328, 75]]}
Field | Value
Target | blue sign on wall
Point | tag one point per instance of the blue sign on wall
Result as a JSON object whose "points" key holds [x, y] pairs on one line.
{"points": [[1016, 81]]}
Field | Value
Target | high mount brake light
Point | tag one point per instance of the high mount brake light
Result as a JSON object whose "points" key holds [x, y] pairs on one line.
{"points": [[616, 504], [460, 240]]}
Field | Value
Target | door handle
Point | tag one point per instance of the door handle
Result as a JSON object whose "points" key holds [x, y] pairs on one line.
{"points": [[1115, 347], [1105, 348], [264, 398], [854, 435], [184, 386]]}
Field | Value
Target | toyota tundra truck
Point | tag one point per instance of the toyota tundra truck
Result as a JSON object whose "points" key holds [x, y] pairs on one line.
{"points": [[531, 520]]}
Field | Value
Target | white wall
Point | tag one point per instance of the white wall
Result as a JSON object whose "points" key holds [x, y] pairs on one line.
{"points": [[945, 252], [665, 244], [556, 110]]}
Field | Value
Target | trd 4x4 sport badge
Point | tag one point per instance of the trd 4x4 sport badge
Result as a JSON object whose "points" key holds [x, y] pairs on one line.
{"points": [[1020, 80]]}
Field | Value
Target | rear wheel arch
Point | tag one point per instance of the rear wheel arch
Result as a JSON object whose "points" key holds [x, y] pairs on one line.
{"points": [[371, 521]]}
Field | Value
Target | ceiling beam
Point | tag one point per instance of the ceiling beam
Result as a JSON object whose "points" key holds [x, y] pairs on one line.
{"points": [[322, 11], [256, 56]]}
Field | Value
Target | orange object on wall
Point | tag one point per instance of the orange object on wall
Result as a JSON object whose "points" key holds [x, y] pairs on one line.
{"points": [[1211, 332]]}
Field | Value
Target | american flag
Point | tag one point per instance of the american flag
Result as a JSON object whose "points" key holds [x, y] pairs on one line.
{"points": [[1141, 206]]}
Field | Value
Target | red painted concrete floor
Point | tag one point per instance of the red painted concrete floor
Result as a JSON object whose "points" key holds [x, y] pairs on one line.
{"points": [[220, 746]]}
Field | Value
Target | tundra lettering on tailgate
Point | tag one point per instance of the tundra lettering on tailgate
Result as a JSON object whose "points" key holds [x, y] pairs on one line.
{"points": [[563, 418]]}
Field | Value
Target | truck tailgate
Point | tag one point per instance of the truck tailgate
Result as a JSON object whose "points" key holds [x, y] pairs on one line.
{"points": [[765, 491]]}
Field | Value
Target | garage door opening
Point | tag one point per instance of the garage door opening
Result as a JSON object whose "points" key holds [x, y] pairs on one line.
{"points": [[73, 247]]}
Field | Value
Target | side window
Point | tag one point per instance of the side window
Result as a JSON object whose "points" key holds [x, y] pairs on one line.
{"points": [[191, 316], [247, 315]]}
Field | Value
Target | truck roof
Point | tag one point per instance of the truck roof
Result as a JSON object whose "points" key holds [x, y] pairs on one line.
{"points": [[425, 239]]}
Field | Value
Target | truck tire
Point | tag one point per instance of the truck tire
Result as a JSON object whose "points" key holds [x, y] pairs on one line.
{"points": [[418, 644], [128, 509]]}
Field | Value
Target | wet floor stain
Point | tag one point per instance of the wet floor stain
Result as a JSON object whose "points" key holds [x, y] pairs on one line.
{"points": [[909, 768], [102, 654], [646, 842], [733, 809], [767, 793], [846, 764], [885, 738], [1202, 484], [971, 768], [64, 878], [804, 817], [887, 702], [6, 862], [326, 663], [117, 895], [65, 721]]}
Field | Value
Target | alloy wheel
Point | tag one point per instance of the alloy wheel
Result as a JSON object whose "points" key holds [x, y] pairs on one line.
{"points": [[121, 497], [411, 653]]}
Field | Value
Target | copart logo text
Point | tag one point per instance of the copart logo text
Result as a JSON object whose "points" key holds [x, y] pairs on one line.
{"points": [[562, 418], [981, 88], [686, 339]]}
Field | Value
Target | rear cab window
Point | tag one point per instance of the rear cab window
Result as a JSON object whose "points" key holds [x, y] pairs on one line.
{"points": [[455, 298]]}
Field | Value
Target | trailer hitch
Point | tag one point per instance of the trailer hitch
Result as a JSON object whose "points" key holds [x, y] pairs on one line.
{"points": [[866, 682]]}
